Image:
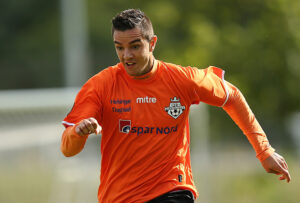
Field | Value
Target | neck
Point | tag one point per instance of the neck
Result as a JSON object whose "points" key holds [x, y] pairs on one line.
{"points": [[151, 64], [151, 70]]}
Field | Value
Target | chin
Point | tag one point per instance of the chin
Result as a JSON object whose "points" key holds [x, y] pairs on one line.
{"points": [[130, 72]]}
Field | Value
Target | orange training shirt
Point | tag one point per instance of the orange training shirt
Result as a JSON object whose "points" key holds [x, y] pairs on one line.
{"points": [[145, 143]]}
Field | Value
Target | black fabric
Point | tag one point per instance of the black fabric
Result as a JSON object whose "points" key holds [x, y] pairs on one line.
{"points": [[182, 196]]}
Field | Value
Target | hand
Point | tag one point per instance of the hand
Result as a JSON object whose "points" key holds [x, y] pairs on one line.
{"points": [[277, 165], [88, 126]]}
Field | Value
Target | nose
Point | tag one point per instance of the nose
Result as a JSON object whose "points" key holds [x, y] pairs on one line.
{"points": [[127, 54]]}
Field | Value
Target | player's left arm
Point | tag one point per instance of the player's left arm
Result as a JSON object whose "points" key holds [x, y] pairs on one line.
{"points": [[238, 109]]}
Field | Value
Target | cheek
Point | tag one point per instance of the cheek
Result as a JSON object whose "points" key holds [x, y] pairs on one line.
{"points": [[119, 54], [145, 53]]}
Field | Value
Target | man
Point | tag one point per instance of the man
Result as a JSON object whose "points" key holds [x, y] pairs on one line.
{"points": [[142, 105]]}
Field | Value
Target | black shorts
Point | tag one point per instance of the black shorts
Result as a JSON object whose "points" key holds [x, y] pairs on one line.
{"points": [[180, 196]]}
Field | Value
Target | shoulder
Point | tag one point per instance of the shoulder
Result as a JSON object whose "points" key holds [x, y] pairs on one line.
{"points": [[182, 71], [103, 79], [172, 66], [109, 72], [193, 74], [215, 71], [105, 76]]}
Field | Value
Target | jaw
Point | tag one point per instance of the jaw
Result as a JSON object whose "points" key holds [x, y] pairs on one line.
{"points": [[131, 69], [135, 68]]}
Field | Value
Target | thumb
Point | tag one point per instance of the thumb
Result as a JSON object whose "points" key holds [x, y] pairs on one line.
{"points": [[284, 174], [98, 129]]}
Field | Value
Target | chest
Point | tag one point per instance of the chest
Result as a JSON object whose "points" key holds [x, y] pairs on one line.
{"points": [[146, 104]]}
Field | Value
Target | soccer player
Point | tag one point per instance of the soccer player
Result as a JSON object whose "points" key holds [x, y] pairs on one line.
{"points": [[141, 108]]}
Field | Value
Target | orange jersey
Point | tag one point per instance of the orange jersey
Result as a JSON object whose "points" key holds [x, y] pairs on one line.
{"points": [[145, 143]]}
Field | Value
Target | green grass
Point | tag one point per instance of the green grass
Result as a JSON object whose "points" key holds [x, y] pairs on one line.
{"points": [[254, 187], [24, 185]]}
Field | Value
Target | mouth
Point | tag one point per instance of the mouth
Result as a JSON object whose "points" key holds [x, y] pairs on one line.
{"points": [[130, 64]]}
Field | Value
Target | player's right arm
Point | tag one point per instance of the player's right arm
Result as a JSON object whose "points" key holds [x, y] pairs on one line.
{"points": [[85, 115], [74, 137]]}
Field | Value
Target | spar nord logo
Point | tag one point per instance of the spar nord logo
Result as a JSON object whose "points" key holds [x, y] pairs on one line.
{"points": [[124, 126], [175, 109]]}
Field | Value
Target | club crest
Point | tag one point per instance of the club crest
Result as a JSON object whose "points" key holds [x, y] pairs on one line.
{"points": [[175, 109]]}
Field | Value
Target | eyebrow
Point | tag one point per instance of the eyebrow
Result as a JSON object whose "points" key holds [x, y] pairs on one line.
{"points": [[133, 41]]}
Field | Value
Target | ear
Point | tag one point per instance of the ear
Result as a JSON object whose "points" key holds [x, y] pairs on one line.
{"points": [[152, 43]]}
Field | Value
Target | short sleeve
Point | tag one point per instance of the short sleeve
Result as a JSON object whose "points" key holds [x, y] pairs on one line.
{"points": [[87, 104], [209, 86]]}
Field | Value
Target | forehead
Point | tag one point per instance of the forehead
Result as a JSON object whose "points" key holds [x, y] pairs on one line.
{"points": [[127, 35]]}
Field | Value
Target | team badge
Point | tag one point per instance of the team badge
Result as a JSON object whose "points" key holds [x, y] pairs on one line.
{"points": [[124, 126], [175, 109]]}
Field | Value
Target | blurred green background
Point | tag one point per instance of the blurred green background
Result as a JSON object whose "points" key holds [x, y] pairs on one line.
{"points": [[256, 42]]}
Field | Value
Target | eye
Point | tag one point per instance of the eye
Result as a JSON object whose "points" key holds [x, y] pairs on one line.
{"points": [[119, 48], [136, 46]]}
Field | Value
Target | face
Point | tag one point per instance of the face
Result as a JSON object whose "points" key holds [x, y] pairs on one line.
{"points": [[134, 51]]}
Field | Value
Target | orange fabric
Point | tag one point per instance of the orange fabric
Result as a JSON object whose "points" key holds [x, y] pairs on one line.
{"points": [[72, 143], [145, 133], [238, 109]]}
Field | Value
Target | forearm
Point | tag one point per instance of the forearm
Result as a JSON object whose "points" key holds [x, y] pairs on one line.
{"points": [[72, 143], [238, 109]]}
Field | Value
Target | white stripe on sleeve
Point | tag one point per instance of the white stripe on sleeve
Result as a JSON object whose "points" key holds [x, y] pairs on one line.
{"points": [[67, 123], [226, 89]]}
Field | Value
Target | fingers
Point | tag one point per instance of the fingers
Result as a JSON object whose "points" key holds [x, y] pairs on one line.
{"points": [[88, 126], [96, 127], [284, 169], [285, 175], [282, 161], [82, 129], [277, 165]]}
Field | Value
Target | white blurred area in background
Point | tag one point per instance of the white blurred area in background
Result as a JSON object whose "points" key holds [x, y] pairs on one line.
{"points": [[32, 168]]}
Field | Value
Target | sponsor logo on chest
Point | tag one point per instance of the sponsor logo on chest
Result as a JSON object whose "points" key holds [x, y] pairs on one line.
{"points": [[125, 127], [146, 100], [120, 105], [175, 108]]}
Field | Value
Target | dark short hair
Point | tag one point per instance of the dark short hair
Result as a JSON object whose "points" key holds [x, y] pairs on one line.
{"points": [[133, 18]]}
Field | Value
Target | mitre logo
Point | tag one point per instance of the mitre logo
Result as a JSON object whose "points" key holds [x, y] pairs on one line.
{"points": [[175, 109], [146, 99], [124, 126]]}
